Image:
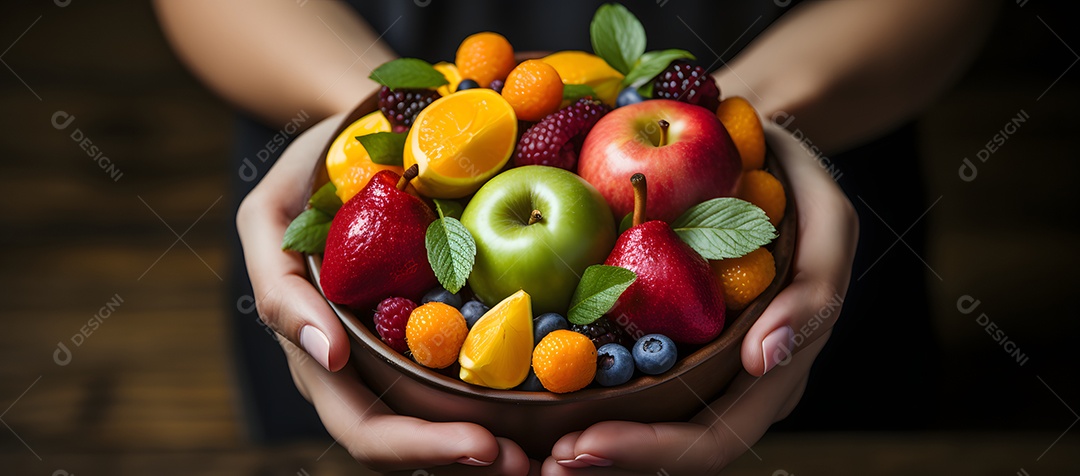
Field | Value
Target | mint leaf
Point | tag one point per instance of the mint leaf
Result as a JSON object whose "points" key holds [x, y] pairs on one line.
{"points": [[573, 92], [617, 36], [626, 223], [652, 64], [408, 73], [451, 252], [325, 199], [448, 208], [385, 148], [724, 228], [307, 233], [596, 293], [646, 90]]}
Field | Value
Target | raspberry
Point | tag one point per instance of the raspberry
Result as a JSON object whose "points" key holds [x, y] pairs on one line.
{"points": [[390, 319], [764, 190], [602, 331], [401, 106], [743, 279], [556, 140], [688, 83]]}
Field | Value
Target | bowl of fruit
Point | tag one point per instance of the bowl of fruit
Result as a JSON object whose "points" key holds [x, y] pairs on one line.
{"points": [[536, 245]]}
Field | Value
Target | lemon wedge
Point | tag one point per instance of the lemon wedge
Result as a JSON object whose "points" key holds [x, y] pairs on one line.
{"points": [[498, 350]]}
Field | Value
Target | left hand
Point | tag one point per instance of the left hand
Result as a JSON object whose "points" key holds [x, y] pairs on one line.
{"points": [[774, 379]]}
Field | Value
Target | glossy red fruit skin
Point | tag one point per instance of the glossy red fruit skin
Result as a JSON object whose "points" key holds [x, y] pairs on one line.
{"points": [[675, 293], [375, 248]]}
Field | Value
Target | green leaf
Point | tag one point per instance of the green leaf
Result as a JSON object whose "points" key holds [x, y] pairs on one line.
{"points": [[626, 223], [385, 148], [617, 36], [307, 233], [325, 199], [448, 208], [646, 90], [724, 228], [573, 92], [652, 64], [596, 293], [451, 252], [408, 73]]}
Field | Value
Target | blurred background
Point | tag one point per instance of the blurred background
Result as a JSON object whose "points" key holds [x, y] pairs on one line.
{"points": [[114, 358]]}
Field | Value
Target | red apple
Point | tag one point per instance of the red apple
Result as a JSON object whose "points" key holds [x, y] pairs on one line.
{"points": [[684, 150]]}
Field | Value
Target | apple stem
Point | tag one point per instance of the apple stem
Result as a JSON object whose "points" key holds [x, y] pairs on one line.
{"points": [[638, 181], [535, 216], [663, 131], [406, 177]]}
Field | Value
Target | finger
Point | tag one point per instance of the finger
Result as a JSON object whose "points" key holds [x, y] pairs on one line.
{"points": [[286, 301], [827, 235], [511, 461], [361, 423], [553, 468], [672, 447]]}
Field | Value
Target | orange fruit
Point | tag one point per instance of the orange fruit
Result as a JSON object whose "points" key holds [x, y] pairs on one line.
{"points": [[348, 163], [744, 279], [460, 141], [579, 67], [484, 57], [762, 189], [564, 361], [434, 333], [498, 349], [744, 127], [450, 71], [534, 89]]}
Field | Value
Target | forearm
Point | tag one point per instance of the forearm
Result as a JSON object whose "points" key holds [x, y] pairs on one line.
{"points": [[276, 58], [849, 70]]}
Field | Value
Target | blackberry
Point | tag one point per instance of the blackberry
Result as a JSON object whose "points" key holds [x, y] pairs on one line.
{"points": [[556, 140], [390, 319], [602, 331], [684, 82], [497, 85], [401, 106]]}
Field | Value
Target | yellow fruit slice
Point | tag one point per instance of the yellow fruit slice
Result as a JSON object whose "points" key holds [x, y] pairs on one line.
{"points": [[348, 163], [452, 75], [460, 141], [579, 67], [498, 350]]}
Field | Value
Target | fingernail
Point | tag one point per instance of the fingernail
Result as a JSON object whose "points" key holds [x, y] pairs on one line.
{"points": [[777, 346], [572, 463], [593, 460], [316, 344], [469, 460]]}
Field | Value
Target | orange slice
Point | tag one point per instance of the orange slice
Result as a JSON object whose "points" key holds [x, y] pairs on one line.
{"points": [[459, 142], [498, 349], [348, 163]]}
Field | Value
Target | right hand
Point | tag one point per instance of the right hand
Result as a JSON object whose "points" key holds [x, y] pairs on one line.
{"points": [[307, 327]]}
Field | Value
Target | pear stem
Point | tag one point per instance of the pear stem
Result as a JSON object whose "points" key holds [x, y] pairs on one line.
{"points": [[406, 177], [663, 132], [535, 216], [638, 181]]}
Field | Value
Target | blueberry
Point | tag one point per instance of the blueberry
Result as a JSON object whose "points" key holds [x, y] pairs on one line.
{"points": [[654, 354], [497, 85], [627, 97], [467, 84], [544, 324], [614, 365], [473, 311], [531, 383], [441, 295]]}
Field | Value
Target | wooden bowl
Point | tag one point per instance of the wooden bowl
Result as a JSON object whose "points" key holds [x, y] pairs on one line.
{"points": [[535, 420]]}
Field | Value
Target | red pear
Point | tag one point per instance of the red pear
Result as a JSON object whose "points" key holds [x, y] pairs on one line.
{"points": [[376, 248], [675, 293]]}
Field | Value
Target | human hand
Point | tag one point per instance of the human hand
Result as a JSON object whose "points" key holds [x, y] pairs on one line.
{"points": [[355, 417], [777, 352]]}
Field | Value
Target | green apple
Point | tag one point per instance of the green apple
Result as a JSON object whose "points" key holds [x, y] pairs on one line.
{"points": [[536, 228]]}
